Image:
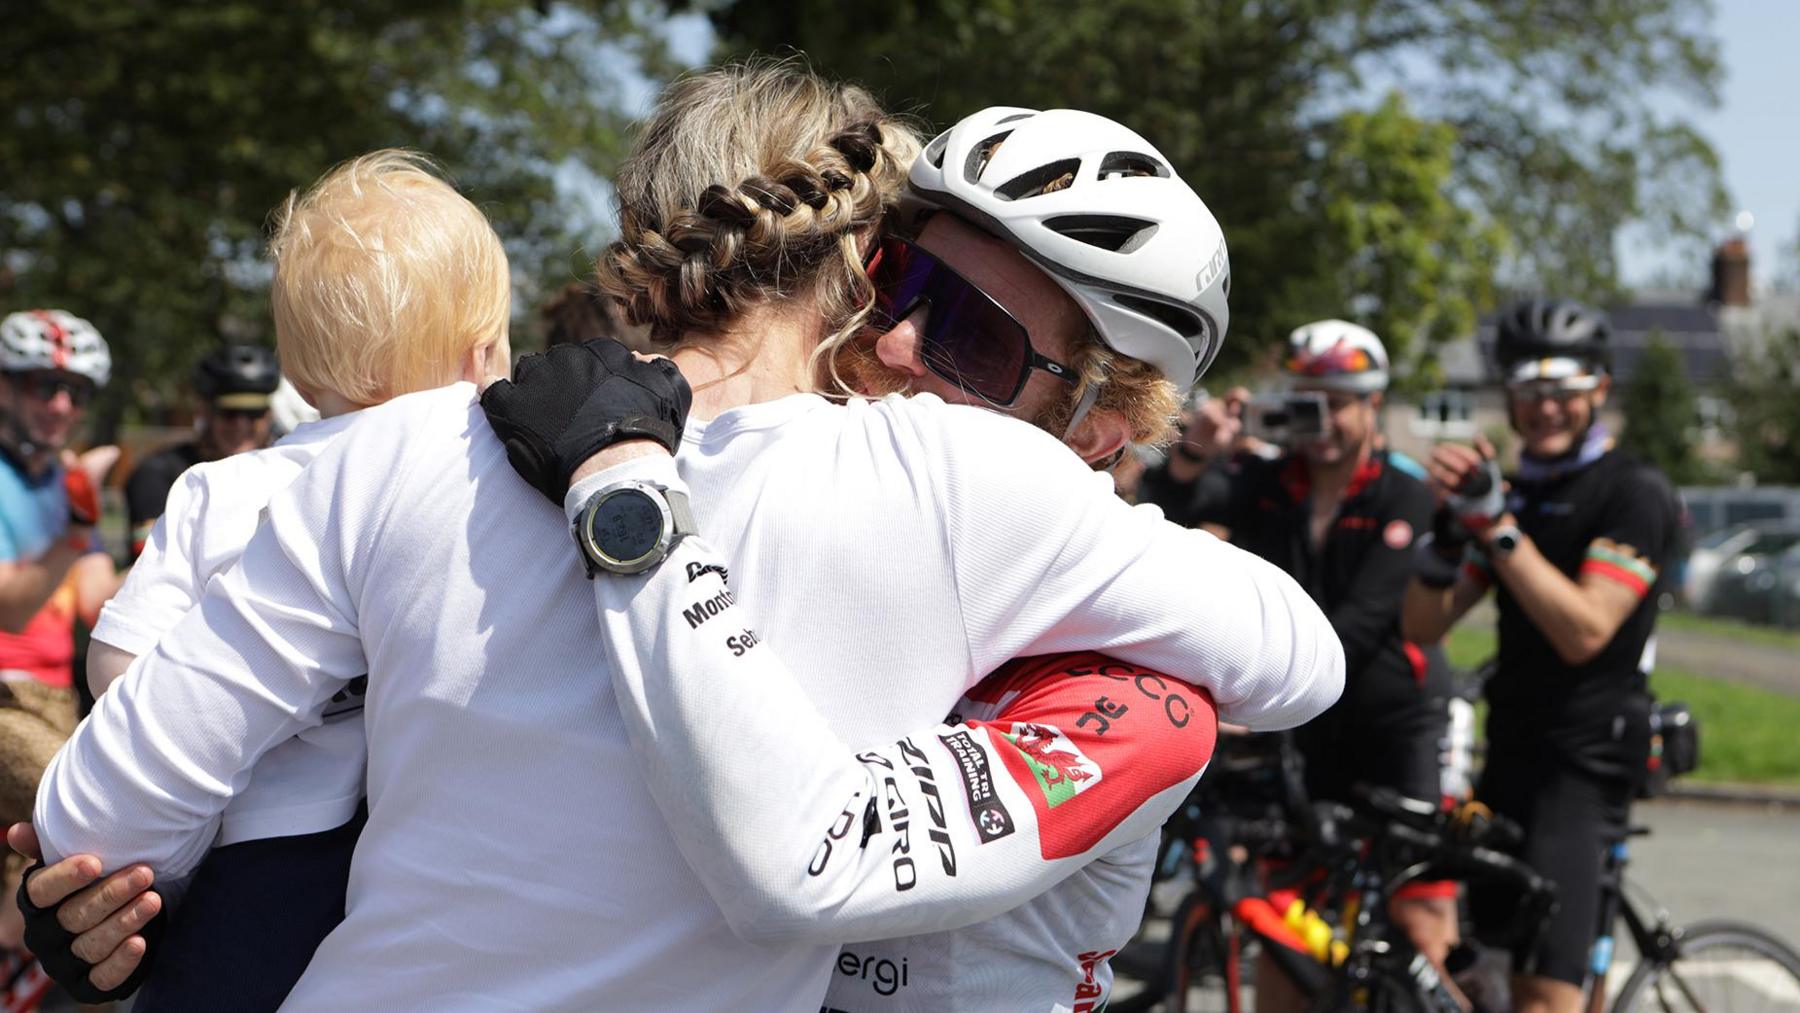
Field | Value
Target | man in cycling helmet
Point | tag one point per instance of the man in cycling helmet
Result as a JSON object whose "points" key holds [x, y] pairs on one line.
{"points": [[233, 384], [1339, 515], [1575, 545], [51, 567], [1073, 229]]}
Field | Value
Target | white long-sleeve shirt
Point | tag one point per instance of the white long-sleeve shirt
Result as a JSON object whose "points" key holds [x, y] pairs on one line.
{"points": [[514, 857], [314, 781]]}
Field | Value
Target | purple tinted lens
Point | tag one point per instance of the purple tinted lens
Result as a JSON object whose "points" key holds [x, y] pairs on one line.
{"points": [[969, 340]]}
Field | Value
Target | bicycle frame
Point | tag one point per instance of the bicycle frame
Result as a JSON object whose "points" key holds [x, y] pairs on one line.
{"points": [[1655, 940]]}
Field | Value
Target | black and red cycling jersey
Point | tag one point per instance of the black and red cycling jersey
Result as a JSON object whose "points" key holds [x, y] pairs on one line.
{"points": [[1358, 575]]}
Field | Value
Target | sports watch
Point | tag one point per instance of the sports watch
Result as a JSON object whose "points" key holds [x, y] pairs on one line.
{"points": [[630, 526], [1503, 539]]}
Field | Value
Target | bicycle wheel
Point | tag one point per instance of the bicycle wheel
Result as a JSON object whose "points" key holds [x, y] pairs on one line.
{"points": [[1719, 967], [1205, 972]]}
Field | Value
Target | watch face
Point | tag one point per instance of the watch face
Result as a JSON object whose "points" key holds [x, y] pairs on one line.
{"points": [[627, 525]]}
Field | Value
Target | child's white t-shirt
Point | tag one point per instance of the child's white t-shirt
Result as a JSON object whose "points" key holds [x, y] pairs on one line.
{"points": [[308, 784]]}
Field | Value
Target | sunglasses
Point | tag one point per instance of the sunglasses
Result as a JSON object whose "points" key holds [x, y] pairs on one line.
{"points": [[44, 386], [242, 414], [1565, 389], [968, 338]]}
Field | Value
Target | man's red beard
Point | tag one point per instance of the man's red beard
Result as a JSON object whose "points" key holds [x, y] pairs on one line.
{"points": [[863, 371]]}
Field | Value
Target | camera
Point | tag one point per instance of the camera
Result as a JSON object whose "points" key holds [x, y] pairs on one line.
{"points": [[1286, 419]]}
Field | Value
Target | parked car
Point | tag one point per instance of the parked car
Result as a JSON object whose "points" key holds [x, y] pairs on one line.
{"points": [[1759, 589], [1734, 551]]}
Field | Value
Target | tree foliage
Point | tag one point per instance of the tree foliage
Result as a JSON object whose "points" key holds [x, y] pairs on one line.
{"points": [[1366, 157], [1661, 412], [1767, 409], [145, 142]]}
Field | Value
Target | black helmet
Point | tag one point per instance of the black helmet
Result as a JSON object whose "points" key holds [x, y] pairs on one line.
{"points": [[238, 376], [1539, 329]]}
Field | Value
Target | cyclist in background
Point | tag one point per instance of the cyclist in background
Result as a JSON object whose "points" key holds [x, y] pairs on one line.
{"points": [[1341, 517], [1574, 551], [234, 384], [51, 566]]}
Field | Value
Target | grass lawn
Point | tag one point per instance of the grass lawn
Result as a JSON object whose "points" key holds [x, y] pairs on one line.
{"points": [[1747, 735], [1774, 636]]}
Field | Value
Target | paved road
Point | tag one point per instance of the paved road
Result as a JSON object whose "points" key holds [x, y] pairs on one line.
{"points": [[1705, 860], [1764, 665]]}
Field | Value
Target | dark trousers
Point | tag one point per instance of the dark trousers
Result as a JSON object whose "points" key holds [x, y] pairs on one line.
{"points": [[249, 923]]}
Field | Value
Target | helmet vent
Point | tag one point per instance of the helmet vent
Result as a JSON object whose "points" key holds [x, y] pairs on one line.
{"points": [[935, 153], [1183, 322], [1132, 163], [980, 154], [1014, 118], [1109, 232], [1041, 180]]}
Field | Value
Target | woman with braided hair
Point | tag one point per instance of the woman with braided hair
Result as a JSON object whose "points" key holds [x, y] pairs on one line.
{"points": [[539, 768]]}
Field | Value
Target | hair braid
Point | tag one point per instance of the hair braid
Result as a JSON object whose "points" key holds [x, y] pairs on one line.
{"points": [[697, 263]]}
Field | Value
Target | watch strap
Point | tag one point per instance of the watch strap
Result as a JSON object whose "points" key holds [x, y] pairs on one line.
{"points": [[682, 510]]}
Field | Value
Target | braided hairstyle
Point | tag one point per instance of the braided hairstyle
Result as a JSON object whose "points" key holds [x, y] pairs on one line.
{"points": [[753, 183]]}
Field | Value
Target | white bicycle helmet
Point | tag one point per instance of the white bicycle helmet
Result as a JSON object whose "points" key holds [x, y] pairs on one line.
{"points": [[1337, 355], [1119, 230], [53, 339]]}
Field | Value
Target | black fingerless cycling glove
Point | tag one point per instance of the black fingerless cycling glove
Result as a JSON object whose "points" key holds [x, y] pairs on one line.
{"points": [[573, 401]]}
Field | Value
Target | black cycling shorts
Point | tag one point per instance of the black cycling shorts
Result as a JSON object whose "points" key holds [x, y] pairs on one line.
{"points": [[250, 921], [1570, 818], [1400, 749]]}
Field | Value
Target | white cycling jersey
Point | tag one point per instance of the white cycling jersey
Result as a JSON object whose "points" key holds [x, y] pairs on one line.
{"points": [[514, 857]]}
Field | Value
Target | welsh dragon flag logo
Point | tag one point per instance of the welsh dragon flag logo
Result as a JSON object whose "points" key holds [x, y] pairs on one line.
{"points": [[1062, 770]]}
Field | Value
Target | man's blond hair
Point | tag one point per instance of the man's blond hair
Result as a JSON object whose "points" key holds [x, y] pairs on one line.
{"points": [[385, 279]]}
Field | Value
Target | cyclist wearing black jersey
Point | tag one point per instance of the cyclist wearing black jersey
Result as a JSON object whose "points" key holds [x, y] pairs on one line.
{"points": [[1341, 518], [1574, 549], [234, 384]]}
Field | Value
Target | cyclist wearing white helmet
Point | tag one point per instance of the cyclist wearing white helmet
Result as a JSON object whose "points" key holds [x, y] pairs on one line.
{"points": [[51, 569], [1336, 514]]}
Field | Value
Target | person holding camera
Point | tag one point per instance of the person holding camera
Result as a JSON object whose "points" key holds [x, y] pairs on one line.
{"points": [[1574, 548], [1332, 510]]}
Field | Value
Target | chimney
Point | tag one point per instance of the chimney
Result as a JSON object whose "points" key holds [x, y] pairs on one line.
{"points": [[1731, 274]]}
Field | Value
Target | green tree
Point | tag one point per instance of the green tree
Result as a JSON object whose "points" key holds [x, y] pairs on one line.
{"points": [[146, 142], [1768, 410], [1661, 411], [1529, 118]]}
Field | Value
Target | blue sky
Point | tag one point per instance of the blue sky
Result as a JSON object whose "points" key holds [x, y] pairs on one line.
{"points": [[1756, 131]]}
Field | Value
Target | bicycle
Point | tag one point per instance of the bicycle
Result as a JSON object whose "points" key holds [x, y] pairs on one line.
{"points": [[1676, 970], [1351, 866], [1707, 966]]}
